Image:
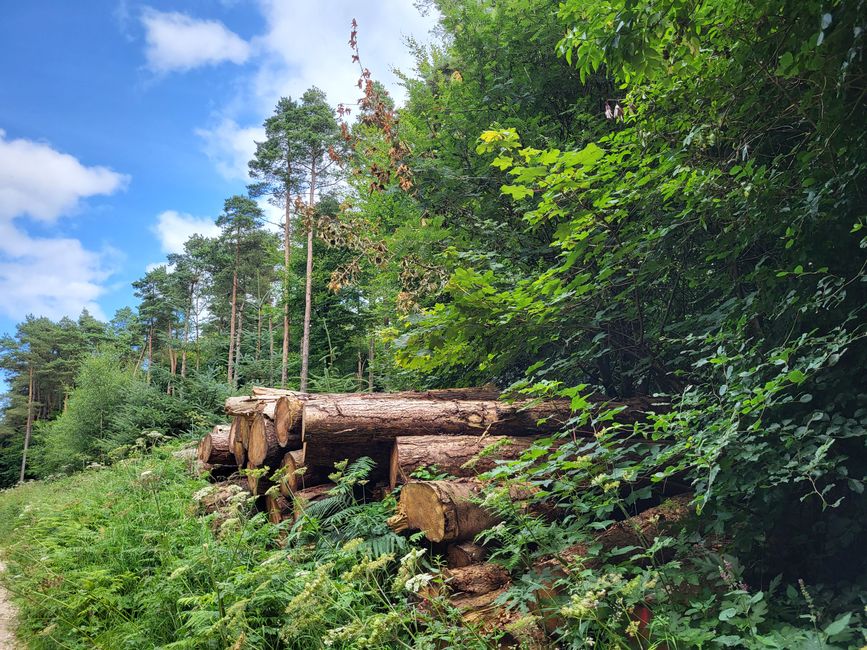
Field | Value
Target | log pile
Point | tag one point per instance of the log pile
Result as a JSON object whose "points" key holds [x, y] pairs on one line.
{"points": [[462, 432], [285, 445]]}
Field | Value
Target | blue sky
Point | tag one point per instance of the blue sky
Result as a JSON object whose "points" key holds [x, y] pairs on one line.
{"points": [[124, 126]]}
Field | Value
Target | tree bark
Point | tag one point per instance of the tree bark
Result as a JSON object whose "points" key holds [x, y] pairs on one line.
{"points": [[308, 283], [214, 447], [444, 510], [371, 418], [287, 274], [279, 508], [247, 405], [320, 459], [229, 362], [361, 420], [464, 554], [28, 427], [262, 446], [297, 476], [258, 484], [455, 455]]}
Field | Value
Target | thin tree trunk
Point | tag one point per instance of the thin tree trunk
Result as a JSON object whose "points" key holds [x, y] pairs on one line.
{"points": [[186, 342], [308, 286], [287, 272], [28, 428], [150, 352], [270, 348], [239, 331], [229, 367], [259, 332], [371, 350]]}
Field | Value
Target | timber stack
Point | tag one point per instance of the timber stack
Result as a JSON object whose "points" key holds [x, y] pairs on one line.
{"points": [[289, 443]]}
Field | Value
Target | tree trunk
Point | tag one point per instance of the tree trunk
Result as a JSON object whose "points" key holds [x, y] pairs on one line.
{"points": [[320, 459], [229, 366], [287, 275], [286, 413], [464, 554], [28, 427], [258, 482], [150, 352], [359, 419], [270, 345], [297, 476], [308, 284], [214, 447], [455, 455], [247, 405], [362, 420], [237, 434], [239, 332], [444, 511], [279, 508], [371, 350], [262, 446]]}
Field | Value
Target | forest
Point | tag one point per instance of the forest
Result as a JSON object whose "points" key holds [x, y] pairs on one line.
{"points": [[632, 199]]}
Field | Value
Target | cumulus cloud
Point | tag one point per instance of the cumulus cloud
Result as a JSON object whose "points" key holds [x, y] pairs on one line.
{"points": [[304, 44], [230, 146], [51, 276], [42, 183], [174, 228], [177, 42]]}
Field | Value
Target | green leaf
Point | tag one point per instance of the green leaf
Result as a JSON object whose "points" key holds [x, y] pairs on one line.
{"points": [[517, 192], [839, 625]]}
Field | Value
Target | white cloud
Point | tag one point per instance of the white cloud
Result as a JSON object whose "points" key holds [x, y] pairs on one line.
{"points": [[176, 41], [174, 228], [51, 276], [40, 182], [305, 44], [230, 146]]}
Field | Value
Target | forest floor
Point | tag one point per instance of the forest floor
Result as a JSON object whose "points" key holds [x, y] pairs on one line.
{"points": [[7, 618]]}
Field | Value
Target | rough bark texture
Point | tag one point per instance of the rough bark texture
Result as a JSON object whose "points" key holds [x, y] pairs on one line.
{"points": [[279, 509], [258, 484], [247, 405], [263, 449], [443, 510], [464, 554], [364, 420], [454, 455], [320, 458], [214, 448], [297, 476], [476, 579]]}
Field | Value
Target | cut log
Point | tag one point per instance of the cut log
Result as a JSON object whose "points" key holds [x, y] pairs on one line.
{"points": [[458, 456], [236, 440], [320, 458], [464, 554], [279, 508], [214, 448], [258, 480], [246, 405], [296, 476], [444, 510], [262, 446], [287, 420], [476, 579], [365, 420]]}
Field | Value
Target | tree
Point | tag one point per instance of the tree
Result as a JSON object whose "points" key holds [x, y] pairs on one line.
{"points": [[320, 137], [277, 174], [241, 218]]}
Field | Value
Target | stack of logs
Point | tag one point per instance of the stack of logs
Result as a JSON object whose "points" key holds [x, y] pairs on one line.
{"points": [[461, 432]]}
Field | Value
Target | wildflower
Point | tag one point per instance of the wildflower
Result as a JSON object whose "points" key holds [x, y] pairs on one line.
{"points": [[632, 629], [418, 582]]}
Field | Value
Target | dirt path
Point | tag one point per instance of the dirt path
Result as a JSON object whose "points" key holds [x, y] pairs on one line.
{"points": [[7, 618]]}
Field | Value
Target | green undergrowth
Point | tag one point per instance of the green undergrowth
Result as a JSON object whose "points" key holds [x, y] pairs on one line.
{"points": [[129, 557], [120, 557]]}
